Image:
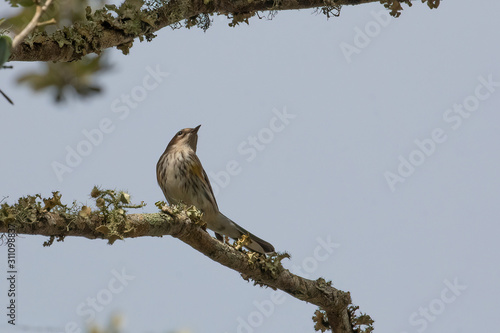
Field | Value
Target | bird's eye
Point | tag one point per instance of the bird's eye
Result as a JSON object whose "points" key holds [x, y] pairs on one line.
{"points": [[179, 133]]}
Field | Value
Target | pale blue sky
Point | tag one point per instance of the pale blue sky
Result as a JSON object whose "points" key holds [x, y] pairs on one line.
{"points": [[418, 257]]}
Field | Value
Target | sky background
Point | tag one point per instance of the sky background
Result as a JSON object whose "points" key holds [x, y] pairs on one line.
{"points": [[420, 255]]}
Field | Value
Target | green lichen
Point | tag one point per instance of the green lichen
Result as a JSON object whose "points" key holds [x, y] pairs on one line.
{"points": [[432, 4], [396, 8], [28, 210], [156, 221], [179, 12], [361, 323], [238, 18], [320, 321], [269, 265], [202, 21], [128, 17], [112, 207], [86, 36], [330, 10]]}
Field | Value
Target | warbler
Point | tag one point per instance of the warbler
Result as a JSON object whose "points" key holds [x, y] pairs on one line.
{"points": [[182, 179]]}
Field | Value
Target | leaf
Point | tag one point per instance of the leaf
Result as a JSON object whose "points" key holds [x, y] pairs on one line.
{"points": [[75, 77], [5, 46], [23, 3]]}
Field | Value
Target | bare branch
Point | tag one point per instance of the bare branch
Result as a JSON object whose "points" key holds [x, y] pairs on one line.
{"points": [[6, 97]]}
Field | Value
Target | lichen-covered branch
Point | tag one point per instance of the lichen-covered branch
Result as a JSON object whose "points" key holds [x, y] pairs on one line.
{"points": [[118, 26], [34, 215]]}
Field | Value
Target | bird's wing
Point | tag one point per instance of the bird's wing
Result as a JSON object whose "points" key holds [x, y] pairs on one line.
{"points": [[202, 174]]}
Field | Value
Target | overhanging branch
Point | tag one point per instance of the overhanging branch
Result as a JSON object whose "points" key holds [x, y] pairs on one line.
{"points": [[103, 30]]}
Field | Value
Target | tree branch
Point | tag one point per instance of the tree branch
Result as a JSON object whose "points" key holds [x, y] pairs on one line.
{"points": [[32, 25], [103, 30], [110, 222]]}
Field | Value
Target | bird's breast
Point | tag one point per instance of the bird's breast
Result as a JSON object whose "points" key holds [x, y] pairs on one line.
{"points": [[183, 181]]}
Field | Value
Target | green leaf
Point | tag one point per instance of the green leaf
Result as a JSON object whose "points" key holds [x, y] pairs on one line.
{"points": [[77, 77], [5, 46], [24, 3]]}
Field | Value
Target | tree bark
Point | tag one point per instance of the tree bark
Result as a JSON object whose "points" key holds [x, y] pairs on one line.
{"points": [[102, 31], [28, 217]]}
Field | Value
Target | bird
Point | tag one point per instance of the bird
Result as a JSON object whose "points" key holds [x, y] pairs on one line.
{"points": [[182, 179]]}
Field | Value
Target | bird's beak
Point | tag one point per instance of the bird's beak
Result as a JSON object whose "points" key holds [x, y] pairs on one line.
{"points": [[195, 130]]}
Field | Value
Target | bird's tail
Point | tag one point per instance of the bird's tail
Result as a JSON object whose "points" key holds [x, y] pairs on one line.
{"points": [[233, 230]]}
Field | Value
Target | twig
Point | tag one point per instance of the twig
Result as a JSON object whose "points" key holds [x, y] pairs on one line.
{"points": [[32, 25], [48, 22], [10, 101]]}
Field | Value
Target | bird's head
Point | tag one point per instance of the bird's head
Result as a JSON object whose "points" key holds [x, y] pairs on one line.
{"points": [[187, 137]]}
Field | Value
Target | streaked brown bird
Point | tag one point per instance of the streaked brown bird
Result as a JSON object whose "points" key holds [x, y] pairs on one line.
{"points": [[182, 179]]}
